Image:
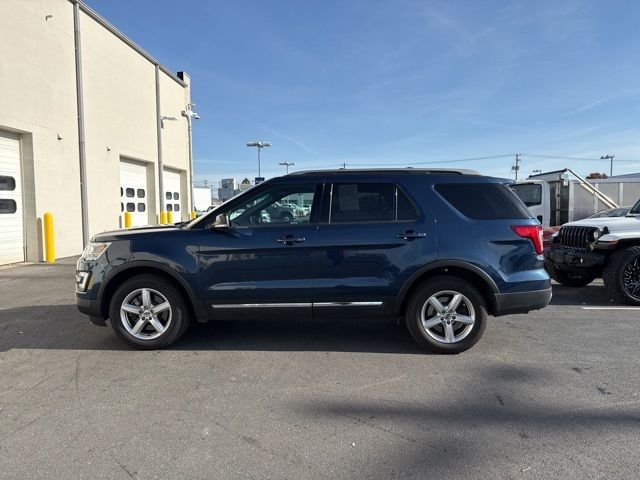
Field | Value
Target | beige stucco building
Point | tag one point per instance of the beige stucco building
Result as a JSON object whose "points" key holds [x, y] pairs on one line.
{"points": [[116, 97]]}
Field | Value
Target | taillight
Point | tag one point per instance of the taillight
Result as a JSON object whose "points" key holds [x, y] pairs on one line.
{"points": [[533, 233]]}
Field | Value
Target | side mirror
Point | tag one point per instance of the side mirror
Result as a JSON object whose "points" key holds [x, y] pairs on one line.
{"points": [[222, 221]]}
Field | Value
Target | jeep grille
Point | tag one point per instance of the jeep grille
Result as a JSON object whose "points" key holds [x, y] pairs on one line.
{"points": [[576, 237]]}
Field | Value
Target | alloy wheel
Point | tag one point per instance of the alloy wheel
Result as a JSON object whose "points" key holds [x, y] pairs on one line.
{"points": [[631, 278], [448, 317], [145, 313]]}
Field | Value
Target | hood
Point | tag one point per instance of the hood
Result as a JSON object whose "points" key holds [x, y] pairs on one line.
{"points": [[613, 224], [133, 232]]}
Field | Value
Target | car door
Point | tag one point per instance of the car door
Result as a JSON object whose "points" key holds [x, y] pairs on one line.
{"points": [[370, 239], [261, 262]]}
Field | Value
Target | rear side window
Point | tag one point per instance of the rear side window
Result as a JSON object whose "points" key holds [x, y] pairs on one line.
{"points": [[483, 201], [362, 202]]}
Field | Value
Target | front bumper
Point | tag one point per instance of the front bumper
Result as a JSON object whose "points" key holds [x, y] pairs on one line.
{"points": [[574, 259], [91, 308], [521, 302]]}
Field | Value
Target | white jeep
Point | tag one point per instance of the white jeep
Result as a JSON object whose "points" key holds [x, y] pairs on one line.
{"points": [[606, 247]]}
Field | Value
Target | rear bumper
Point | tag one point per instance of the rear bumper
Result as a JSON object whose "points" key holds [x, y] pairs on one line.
{"points": [[521, 302]]}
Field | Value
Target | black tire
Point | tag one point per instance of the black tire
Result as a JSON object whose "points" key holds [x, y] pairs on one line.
{"points": [[419, 299], [614, 273], [179, 311], [568, 279]]}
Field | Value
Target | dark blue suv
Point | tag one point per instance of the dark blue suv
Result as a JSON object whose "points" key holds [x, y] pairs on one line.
{"points": [[440, 250]]}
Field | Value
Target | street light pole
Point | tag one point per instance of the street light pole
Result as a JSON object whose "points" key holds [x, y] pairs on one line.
{"points": [[259, 145], [190, 115], [287, 164], [609, 157]]}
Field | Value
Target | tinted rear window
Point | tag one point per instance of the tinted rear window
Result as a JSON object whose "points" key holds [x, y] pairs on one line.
{"points": [[483, 201]]}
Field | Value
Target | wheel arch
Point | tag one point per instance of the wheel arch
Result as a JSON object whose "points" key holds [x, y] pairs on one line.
{"points": [[129, 270], [456, 268]]}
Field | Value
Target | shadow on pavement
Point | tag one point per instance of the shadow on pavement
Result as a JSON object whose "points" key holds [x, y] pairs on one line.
{"points": [[591, 295], [63, 327], [514, 421]]}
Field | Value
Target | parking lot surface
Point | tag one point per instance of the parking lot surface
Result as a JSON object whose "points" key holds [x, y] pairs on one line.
{"points": [[552, 394]]}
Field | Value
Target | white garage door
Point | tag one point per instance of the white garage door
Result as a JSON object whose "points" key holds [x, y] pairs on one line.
{"points": [[173, 194], [11, 227], [133, 192]]}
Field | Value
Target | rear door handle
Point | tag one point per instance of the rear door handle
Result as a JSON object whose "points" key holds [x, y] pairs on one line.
{"points": [[411, 235], [290, 240]]}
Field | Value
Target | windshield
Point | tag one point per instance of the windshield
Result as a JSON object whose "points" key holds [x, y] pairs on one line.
{"points": [[636, 209], [529, 193]]}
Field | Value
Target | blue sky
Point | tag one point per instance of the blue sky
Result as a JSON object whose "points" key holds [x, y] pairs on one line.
{"points": [[400, 82]]}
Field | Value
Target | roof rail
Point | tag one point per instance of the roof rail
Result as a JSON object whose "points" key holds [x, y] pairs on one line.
{"points": [[406, 171]]}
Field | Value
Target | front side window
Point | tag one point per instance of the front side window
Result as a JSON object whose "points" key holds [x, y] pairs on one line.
{"points": [[277, 205]]}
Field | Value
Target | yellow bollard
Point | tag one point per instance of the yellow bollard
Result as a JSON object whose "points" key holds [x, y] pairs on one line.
{"points": [[193, 214], [127, 219], [163, 218], [170, 218], [49, 241]]}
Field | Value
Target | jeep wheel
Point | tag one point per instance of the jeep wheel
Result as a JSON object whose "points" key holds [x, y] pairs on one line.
{"points": [[622, 276], [446, 315], [568, 279], [148, 312], [286, 218]]}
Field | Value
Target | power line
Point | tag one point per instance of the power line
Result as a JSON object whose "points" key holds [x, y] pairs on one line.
{"points": [[435, 162], [561, 157]]}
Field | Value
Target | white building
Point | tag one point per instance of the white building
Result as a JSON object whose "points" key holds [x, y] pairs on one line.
{"points": [[81, 134]]}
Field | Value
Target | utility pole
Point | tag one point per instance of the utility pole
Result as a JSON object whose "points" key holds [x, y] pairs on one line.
{"points": [[259, 145], [287, 164], [190, 115], [609, 157], [516, 167]]}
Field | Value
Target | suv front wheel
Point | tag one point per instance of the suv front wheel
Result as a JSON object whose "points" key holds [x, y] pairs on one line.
{"points": [[148, 312], [446, 315]]}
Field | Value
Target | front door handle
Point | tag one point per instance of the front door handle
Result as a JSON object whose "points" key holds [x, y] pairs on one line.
{"points": [[290, 240], [411, 235]]}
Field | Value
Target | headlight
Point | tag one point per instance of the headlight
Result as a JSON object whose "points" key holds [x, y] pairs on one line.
{"points": [[94, 250], [596, 234]]}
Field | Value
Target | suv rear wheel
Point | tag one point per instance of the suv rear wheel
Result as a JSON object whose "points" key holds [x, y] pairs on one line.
{"points": [[622, 275], [148, 312], [446, 315], [568, 279]]}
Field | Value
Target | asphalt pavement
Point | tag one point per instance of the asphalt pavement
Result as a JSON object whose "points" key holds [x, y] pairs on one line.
{"points": [[552, 394]]}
